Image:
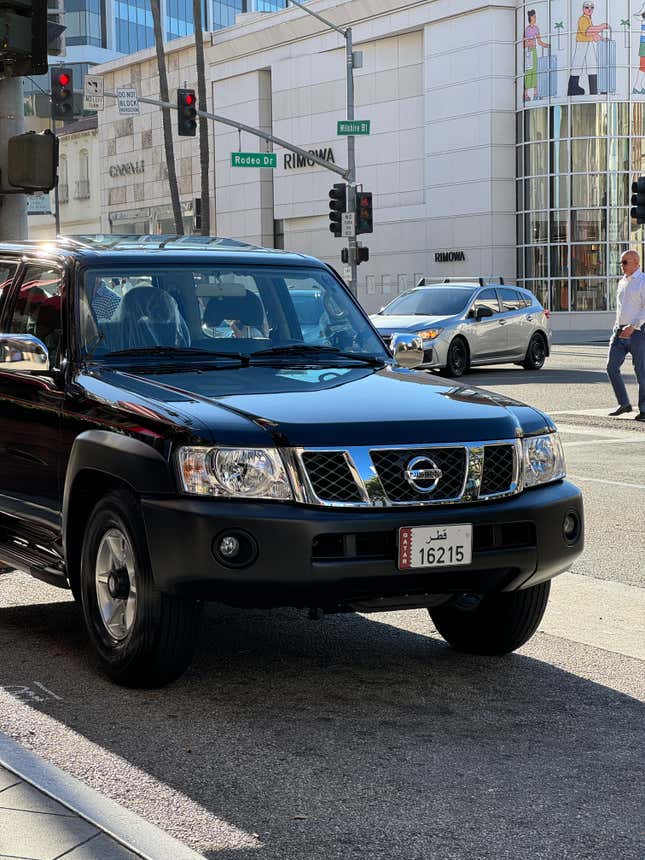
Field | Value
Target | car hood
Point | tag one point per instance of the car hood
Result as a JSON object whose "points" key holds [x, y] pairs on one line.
{"points": [[318, 406], [406, 322]]}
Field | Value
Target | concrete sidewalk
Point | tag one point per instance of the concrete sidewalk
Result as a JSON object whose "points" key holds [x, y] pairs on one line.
{"points": [[35, 826], [45, 814]]}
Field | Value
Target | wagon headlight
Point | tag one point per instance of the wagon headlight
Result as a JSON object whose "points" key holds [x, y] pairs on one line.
{"points": [[249, 473], [429, 333], [543, 459]]}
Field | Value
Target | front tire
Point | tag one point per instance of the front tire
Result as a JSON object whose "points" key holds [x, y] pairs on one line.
{"points": [[458, 358], [143, 637], [499, 624], [535, 353]]}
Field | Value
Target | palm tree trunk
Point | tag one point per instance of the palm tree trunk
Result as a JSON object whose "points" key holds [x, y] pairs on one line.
{"points": [[165, 118], [203, 122]]}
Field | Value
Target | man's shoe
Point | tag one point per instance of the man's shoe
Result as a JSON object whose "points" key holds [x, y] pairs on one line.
{"points": [[640, 416], [620, 411]]}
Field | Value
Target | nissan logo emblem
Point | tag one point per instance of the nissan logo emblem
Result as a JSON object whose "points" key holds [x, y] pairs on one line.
{"points": [[423, 474]]}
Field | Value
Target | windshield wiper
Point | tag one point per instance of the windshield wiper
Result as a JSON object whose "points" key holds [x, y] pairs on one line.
{"points": [[176, 351], [309, 349]]}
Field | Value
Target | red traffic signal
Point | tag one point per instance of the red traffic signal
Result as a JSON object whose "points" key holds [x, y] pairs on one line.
{"points": [[186, 113], [62, 93], [364, 213]]}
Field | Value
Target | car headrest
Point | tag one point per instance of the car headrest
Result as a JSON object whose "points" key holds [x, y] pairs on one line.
{"points": [[247, 309], [134, 303]]}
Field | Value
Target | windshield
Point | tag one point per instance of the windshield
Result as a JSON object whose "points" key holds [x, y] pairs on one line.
{"points": [[230, 309], [431, 302]]}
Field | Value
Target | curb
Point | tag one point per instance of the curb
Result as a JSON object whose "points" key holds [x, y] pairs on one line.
{"points": [[125, 827]]}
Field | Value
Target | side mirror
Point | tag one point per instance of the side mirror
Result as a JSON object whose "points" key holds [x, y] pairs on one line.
{"points": [[407, 350], [482, 311], [21, 353]]}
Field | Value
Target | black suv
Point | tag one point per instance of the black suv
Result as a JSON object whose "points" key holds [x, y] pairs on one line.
{"points": [[187, 420]]}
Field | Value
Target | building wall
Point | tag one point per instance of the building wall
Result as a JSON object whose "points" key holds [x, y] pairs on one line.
{"points": [[440, 83]]}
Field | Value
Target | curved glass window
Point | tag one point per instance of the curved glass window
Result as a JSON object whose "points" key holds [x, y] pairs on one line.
{"points": [[588, 189], [589, 120], [560, 226], [536, 193], [559, 121], [536, 124], [589, 225], [536, 159], [559, 295], [588, 155], [588, 260], [588, 294], [536, 225], [536, 262], [560, 191], [559, 260]]}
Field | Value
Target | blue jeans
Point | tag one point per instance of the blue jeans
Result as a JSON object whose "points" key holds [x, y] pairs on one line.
{"points": [[618, 349]]}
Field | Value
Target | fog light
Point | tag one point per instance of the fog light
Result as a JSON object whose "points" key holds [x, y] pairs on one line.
{"points": [[571, 527], [229, 546], [235, 548]]}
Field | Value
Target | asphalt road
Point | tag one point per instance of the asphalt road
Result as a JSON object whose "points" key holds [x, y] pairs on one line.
{"points": [[365, 736]]}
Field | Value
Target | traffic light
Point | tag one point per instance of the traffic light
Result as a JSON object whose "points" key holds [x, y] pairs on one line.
{"points": [[364, 215], [62, 87], [337, 206], [638, 200], [362, 255], [186, 113]]}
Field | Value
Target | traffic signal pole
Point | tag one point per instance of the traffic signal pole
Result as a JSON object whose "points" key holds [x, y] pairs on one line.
{"points": [[13, 207], [351, 161], [351, 149]]}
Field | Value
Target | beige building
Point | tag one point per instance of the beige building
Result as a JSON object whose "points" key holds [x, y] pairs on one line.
{"points": [[79, 178], [490, 153]]}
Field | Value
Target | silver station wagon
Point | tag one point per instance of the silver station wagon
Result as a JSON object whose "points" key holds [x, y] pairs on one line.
{"points": [[463, 325]]}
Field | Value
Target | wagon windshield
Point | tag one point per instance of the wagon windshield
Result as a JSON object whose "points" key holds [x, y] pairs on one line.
{"points": [[429, 301], [214, 310]]}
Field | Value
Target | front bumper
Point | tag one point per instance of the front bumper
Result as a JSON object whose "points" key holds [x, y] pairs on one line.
{"points": [[343, 559]]}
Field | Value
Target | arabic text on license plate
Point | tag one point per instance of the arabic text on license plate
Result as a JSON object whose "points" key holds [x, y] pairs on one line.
{"points": [[435, 546]]}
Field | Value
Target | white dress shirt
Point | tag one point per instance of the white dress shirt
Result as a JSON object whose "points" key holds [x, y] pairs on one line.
{"points": [[630, 300]]}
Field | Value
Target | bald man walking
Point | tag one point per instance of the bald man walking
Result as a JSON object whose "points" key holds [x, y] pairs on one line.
{"points": [[629, 334]]}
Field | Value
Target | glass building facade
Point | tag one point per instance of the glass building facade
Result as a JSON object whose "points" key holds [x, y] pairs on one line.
{"points": [[133, 19], [83, 22], [580, 142]]}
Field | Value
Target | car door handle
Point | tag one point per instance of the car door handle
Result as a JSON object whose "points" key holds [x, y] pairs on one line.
{"points": [[502, 322], [530, 317]]}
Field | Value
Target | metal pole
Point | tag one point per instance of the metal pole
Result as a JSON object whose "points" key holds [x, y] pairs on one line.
{"points": [[341, 171], [56, 201], [13, 207], [351, 163]]}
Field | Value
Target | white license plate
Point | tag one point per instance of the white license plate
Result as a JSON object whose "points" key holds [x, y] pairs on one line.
{"points": [[435, 546]]}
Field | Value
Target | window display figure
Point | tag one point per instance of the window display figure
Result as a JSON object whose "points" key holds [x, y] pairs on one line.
{"points": [[639, 80], [531, 41], [585, 55]]}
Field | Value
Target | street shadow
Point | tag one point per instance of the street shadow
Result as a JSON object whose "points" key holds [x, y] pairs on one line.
{"points": [[516, 375], [355, 737]]}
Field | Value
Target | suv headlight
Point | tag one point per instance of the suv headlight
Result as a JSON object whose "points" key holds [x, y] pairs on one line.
{"points": [[249, 473], [543, 459]]}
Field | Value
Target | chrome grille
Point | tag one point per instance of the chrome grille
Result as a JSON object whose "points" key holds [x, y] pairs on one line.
{"points": [[330, 476], [499, 469], [391, 466], [361, 476]]}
